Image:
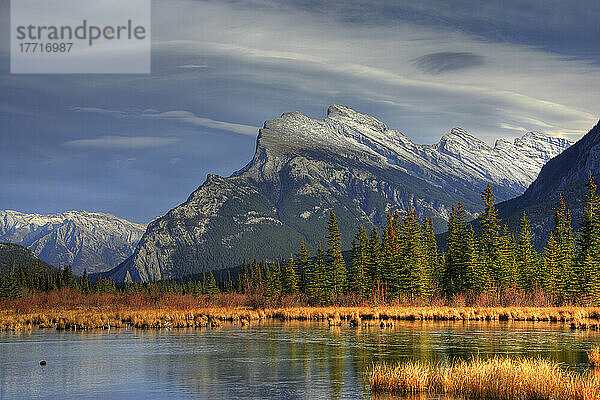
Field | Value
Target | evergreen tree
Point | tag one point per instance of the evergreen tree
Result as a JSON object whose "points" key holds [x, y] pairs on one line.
{"points": [[587, 279], [242, 283], [357, 277], [374, 260], [335, 261], [563, 236], [526, 258], [431, 250], [303, 267], [391, 268], [210, 285], [489, 240], [461, 270], [414, 271], [85, 282], [289, 282], [507, 260], [318, 282]]}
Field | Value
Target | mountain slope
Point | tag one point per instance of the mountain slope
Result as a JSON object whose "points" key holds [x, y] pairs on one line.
{"points": [[12, 255], [565, 175], [302, 167], [82, 239]]}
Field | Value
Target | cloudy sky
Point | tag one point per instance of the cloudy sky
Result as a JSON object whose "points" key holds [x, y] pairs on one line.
{"points": [[137, 145]]}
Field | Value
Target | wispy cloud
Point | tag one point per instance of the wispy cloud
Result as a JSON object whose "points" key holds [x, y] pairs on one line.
{"points": [[192, 66], [180, 116], [192, 119], [98, 110], [445, 61], [122, 142]]}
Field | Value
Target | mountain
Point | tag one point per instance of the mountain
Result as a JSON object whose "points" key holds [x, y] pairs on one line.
{"points": [[349, 162], [82, 239], [565, 175], [13, 255]]}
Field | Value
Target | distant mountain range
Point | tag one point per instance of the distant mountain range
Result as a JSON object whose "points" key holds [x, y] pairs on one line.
{"points": [[82, 239], [349, 162], [565, 175]]}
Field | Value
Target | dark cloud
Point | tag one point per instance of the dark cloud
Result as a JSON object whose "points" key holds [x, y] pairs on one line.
{"points": [[439, 63]]}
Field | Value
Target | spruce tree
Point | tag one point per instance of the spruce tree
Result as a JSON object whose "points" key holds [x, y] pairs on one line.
{"points": [[335, 260], [374, 260], [587, 277], [85, 282], [318, 281], [210, 285], [489, 240], [507, 260], [290, 279], [357, 277], [414, 271], [526, 258], [303, 267], [242, 282], [431, 250], [391, 267], [461, 270], [563, 236]]}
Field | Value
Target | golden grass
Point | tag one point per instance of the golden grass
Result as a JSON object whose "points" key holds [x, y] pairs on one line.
{"points": [[144, 316], [496, 378], [594, 357]]}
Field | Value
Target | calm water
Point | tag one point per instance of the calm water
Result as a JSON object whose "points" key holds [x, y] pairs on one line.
{"points": [[275, 360]]}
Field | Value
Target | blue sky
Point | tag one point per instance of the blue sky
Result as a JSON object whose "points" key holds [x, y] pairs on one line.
{"points": [[137, 145]]}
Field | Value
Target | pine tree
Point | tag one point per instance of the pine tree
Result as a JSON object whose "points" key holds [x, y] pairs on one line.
{"points": [[461, 270], [414, 272], [242, 283], [210, 285], [335, 260], [526, 258], [374, 260], [85, 282], [303, 267], [357, 277], [489, 240], [587, 271], [318, 284], [391, 268], [289, 283], [549, 279], [431, 251], [563, 236], [507, 260]]}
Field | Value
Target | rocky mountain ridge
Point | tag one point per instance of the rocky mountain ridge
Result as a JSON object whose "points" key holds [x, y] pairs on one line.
{"points": [[82, 239], [349, 162]]}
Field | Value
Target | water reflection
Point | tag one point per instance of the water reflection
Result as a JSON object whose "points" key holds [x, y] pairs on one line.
{"points": [[299, 360]]}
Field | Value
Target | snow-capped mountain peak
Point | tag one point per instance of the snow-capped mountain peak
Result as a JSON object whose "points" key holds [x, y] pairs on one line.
{"points": [[93, 240]]}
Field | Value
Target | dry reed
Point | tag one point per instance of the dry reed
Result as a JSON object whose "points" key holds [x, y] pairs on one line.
{"points": [[594, 357], [496, 378], [69, 310]]}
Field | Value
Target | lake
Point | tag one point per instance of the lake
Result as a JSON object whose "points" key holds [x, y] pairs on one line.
{"points": [[303, 360]]}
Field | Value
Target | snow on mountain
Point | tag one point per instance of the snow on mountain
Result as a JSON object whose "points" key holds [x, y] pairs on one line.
{"points": [[82, 239], [349, 162]]}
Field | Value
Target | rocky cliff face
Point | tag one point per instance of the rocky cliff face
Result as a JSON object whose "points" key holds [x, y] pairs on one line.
{"points": [[564, 176], [82, 239], [349, 162]]}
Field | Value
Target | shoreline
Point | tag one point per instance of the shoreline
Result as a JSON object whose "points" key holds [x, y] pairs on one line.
{"points": [[160, 317]]}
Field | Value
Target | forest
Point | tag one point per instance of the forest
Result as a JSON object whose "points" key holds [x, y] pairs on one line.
{"points": [[399, 263]]}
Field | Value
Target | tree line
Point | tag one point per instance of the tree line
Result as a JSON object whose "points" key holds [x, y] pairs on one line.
{"points": [[398, 262]]}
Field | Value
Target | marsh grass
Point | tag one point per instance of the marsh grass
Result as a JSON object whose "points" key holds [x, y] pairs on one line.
{"points": [[495, 378], [594, 357], [186, 311]]}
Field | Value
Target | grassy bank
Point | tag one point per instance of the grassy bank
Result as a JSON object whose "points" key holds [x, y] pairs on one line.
{"points": [[496, 378], [68, 311]]}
